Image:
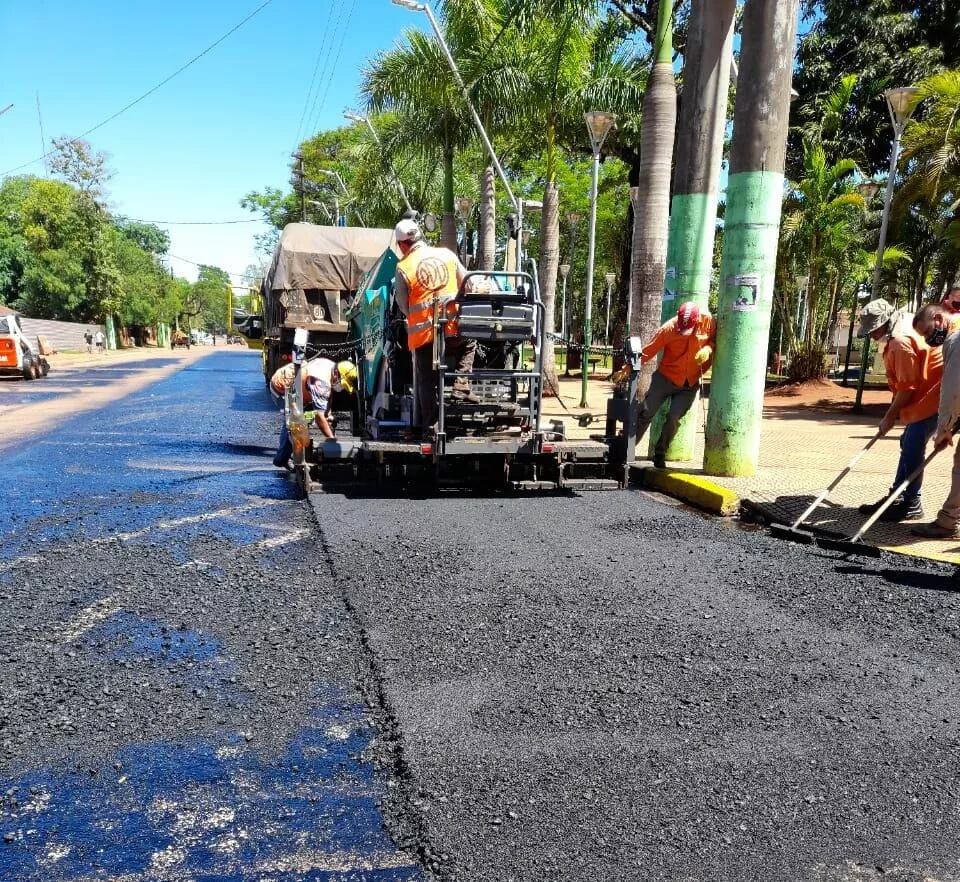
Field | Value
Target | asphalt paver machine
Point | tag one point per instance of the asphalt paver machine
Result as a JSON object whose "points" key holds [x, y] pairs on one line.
{"points": [[498, 440]]}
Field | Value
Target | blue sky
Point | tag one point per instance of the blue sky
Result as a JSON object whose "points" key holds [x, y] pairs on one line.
{"points": [[224, 126]]}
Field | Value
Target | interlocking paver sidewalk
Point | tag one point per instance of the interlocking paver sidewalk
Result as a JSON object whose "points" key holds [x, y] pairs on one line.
{"points": [[807, 438]]}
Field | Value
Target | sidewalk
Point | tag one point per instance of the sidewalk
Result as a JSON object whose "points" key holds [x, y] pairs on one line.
{"points": [[808, 436]]}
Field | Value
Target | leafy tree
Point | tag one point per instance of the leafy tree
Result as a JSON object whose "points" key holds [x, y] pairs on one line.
{"points": [[79, 164], [147, 237], [210, 297], [885, 43]]}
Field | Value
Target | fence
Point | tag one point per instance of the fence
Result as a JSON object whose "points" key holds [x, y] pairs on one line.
{"points": [[60, 335]]}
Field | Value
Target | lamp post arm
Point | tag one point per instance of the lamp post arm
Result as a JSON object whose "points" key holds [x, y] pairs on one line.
{"points": [[887, 200], [473, 113]]}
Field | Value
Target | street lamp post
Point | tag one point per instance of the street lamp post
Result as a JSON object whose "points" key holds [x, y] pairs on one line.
{"points": [[330, 173], [464, 207], [901, 106], [611, 278], [564, 273], [599, 124]]}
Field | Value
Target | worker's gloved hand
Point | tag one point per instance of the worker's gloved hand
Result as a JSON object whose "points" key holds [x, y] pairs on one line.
{"points": [[703, 355]]}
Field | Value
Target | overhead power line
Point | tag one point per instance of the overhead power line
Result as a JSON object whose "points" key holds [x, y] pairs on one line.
{"points": [[153, 89], [343, 37], [326, 72], [138, 220], [316, 68], [194, 263]]}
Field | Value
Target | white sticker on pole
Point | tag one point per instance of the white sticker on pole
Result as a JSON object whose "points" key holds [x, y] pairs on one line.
{"points": [[670, 284], [748, 294]]}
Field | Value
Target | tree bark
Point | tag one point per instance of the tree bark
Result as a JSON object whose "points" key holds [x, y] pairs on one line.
{"points": [[651, 206], [750, 237], [549, 263], [487, 239]]}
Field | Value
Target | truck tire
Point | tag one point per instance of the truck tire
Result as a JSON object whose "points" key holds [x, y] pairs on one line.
{"points": [[29, 370]]}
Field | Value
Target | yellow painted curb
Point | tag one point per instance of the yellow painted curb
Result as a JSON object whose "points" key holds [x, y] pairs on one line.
{"points": [[694, 489]]}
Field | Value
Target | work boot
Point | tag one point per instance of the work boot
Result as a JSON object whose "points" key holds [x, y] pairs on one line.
{"points": [[903, 510], [462, 391], [935, 530], [868, 508], [659, 461]]}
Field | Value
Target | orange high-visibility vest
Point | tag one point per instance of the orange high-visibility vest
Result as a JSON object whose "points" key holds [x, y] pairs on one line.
{"points": [[430, 273]]}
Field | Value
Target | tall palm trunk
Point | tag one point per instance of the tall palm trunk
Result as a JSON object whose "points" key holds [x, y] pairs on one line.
{"points": [[652, 202], [549, 264], [487, 245], [448, 224]]}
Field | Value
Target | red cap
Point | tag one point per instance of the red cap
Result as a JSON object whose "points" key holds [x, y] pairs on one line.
{"points": [[687, 317]]}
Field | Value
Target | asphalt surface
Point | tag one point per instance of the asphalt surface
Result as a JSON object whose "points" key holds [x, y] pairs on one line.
{"points": [[200, 684], [605, 687], [178, 674]]}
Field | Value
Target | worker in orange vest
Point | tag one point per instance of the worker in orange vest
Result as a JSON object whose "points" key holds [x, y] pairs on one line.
{"points": [[426, 274], [687, 342]]}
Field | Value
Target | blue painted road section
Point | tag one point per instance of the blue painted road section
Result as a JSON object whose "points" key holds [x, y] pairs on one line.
{"points": [[250, 764]]}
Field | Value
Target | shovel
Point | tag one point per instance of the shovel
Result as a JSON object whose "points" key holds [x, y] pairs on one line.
{"points": [[854, 544], [792, 533]]}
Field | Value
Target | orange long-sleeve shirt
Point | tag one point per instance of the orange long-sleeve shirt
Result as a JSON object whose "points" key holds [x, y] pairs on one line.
{"points": [[679, 364], [913, 366]]}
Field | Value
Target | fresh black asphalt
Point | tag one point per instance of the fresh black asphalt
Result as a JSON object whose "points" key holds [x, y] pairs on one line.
{"points": [[204, 679]]}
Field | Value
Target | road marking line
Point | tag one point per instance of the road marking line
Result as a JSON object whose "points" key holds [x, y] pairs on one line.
{"points": [[10, 564], [92, 615], [192, 519], [277, 541]]}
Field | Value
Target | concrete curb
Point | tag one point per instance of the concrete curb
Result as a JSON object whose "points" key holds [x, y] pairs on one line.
{"points": [[693, 489]]}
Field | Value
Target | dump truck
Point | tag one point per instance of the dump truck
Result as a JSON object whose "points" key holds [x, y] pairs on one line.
{"points": [[312, 281]]}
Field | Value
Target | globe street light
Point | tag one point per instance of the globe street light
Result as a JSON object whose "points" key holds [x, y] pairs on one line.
{"points": [[599, 124], [900, 104]]}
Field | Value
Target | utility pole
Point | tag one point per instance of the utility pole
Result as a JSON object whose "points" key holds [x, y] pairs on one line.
{"points": [[699, 155], [43, 140], [299, 184], [751, 230]]}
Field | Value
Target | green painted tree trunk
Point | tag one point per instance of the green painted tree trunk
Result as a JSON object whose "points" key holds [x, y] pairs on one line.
{"points": [[693, 215], [651, 197], [751, 233]]}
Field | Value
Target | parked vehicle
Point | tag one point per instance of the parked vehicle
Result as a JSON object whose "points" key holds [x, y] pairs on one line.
{"points": [[17, 357], [313, 280]]}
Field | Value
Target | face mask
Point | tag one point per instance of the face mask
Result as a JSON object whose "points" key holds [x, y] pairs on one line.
{"points": [[936, 337]]}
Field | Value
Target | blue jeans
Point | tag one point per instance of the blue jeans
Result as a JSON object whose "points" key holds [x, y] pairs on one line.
{"points": [[913, 448], [285, 450]]}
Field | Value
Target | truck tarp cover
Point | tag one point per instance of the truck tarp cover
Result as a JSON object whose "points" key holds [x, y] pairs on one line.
{"points": [[327, 258]]}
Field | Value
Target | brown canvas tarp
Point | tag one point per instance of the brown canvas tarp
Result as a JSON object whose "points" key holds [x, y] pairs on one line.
{"points": [[327, 258]]}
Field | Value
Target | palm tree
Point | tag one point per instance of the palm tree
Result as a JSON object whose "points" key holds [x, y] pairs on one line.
{"points": [[574, 62], [820, 213], [414, 80], [652, 202]]}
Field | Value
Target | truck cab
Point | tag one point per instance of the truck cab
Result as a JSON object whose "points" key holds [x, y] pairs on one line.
{"points": [[17, 357]]}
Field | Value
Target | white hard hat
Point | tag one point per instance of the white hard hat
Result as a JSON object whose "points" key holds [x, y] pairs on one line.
{"points": [[407, 231]]}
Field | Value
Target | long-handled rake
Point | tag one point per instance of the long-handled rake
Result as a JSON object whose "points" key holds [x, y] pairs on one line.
{"points": [[792, 533], [854, 545]]}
